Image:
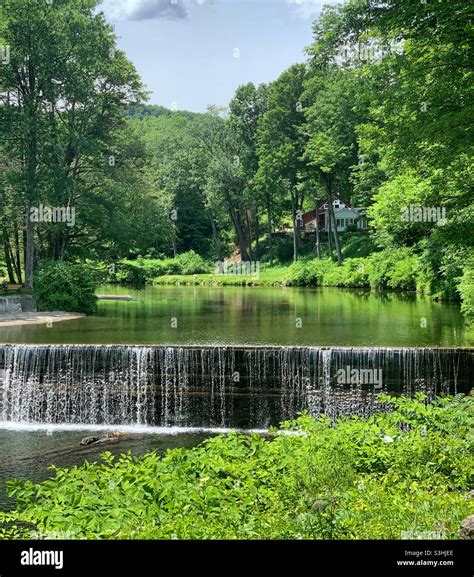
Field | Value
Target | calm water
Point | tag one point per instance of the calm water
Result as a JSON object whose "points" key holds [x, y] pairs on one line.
{"points": [[245, 315], [221, 315]]}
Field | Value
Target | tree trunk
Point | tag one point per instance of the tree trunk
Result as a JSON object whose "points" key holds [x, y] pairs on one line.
{"points": [[295, 227], [31, 198], [270, 231], [334, 227], [240, 236], [249, 234], [215, 235], [244, 255], [7, 251], [257, 235], [329, 227], [30, 252], [17, 256], [316, 232], [62, 246]]}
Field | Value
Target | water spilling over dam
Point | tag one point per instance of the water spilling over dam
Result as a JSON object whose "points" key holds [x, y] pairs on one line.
{"points": [[214, 386]]}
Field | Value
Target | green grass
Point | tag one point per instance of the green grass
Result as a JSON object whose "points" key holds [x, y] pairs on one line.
{"points": [[267, 277]]}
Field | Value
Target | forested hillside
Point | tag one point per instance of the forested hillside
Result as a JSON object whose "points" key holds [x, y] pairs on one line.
{"points": [[379, 114]]}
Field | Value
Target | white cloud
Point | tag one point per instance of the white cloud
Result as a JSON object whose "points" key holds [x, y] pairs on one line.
{"points": [[309, 8], [144, 9]]}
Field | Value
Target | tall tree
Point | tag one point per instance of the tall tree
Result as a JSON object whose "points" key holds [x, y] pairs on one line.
{"points": [[246, 110], [63, 94], [281, 143]]}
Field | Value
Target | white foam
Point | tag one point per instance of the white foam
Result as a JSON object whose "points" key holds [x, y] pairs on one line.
{"points": [[139, 429]]}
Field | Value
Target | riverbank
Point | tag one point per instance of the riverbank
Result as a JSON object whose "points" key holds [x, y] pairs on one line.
{"points": [[390, 270], [37, 318], [275, 277], [31, 449], [401, 474]]}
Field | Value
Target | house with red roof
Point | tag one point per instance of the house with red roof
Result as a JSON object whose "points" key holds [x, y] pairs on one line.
{"points": [[344, 213]]}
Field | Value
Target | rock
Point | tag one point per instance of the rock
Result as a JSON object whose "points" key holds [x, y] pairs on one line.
{"points": [[89, 440], [111, 437], [467, 528], [108, 438]]}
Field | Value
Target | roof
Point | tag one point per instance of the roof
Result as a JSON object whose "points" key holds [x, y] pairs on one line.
{"points": [[311, 215]]}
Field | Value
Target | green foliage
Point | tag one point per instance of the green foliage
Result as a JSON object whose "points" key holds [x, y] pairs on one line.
{"points": [[466, 289], [308, 272], [357, 245], [405, 470], [142, 271], [61, 286], [393, 269], [389, 269], [62, 122], [274, 276], [384, 134], [284, 250]]}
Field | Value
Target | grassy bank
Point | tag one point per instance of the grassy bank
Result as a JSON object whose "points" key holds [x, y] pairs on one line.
{"points": [[408, 471], [275, 276], [398, 270]]}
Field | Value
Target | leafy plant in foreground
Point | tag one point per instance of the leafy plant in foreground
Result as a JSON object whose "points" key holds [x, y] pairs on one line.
{"points": [[407, 470]]}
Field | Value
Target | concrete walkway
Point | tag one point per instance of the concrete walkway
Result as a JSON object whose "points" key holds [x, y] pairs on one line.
{"points": [[34, 318]]}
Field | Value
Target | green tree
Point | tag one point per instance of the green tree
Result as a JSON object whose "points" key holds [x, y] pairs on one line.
{"points": [[63, 94], [281, 143]]}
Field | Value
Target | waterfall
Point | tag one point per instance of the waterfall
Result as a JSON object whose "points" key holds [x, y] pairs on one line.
{"points": [[214, 386]]}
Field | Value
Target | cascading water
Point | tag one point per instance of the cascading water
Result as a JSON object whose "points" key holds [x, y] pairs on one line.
{"points": [[213, 386]]}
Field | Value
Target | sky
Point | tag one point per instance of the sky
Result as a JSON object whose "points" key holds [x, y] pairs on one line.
{"points": [[193, 53]]}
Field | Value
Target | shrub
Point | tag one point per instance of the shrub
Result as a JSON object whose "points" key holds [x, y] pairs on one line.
{"points": [[305, 273], [283, 249], [393, 268], [358, 244], [61, 286], [190, 263], [352, 274], [325, 272], [142, 271], [466, 290], [406, 470]]}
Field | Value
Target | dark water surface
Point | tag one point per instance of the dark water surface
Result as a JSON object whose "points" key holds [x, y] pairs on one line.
{"points": [[27, 454]]}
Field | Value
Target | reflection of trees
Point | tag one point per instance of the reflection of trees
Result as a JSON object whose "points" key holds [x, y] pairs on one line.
{"points": [[330, 316]]}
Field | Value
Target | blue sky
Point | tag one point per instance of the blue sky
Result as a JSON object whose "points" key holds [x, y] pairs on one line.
{"points": [[192, 53]]}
